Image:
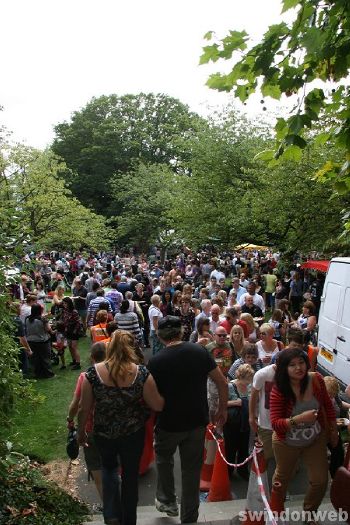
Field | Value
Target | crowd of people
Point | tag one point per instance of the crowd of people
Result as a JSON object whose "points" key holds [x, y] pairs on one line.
{"points": [[232, 340]]}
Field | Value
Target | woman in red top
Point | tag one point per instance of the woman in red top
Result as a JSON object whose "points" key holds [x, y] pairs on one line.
{"points": [[301, 411]]}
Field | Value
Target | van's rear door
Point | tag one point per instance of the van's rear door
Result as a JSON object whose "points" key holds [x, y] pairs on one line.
{"points": [[334, 322]]}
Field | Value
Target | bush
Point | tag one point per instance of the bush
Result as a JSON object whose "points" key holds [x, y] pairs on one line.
{"points": [[27, 498]]}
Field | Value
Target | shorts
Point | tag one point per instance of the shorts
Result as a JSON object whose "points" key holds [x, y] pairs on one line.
{"points": [[91, 454]]}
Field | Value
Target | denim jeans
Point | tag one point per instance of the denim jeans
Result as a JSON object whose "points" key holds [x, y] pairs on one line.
{"points": [[120, 502], [191, 445], [156, 344]]}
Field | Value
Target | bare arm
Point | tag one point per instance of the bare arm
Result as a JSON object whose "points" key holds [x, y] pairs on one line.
{"points": [[23, 342], [155, 324], [221, 384], [85, 406], [151, 395], [73, 407], [311, 323], [234, 403], [253, 402]]}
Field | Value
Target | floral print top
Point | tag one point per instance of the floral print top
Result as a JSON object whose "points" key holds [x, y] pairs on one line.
{"points": [[119, 411], [187, 321]]}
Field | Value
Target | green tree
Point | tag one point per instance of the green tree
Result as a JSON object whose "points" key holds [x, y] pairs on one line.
{"points": [[209, 201], [146, 199], [233, 197], [288, 60], [12, 384], [111, 133], [49, 217]]}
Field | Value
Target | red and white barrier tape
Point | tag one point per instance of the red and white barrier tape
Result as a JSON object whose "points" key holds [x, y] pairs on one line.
{"points": [[234, 465], [261, 488], [253, 455]]}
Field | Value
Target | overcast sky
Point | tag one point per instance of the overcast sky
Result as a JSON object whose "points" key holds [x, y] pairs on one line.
{"points": [[58, 54]]}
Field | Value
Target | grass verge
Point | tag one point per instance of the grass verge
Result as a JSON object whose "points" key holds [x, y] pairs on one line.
{"points": [[40, 431]]}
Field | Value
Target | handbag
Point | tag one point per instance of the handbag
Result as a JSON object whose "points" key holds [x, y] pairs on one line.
{"points": [[340, 487], [72, 447]]}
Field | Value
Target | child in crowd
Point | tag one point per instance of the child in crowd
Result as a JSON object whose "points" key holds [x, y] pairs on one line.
{"points": [[276, 322], [61, 343]]}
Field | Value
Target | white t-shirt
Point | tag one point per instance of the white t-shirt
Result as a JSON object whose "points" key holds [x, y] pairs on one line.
{"points": [[25, 311], [154, 312], [214, 324], [263, 353], [263, 381]]}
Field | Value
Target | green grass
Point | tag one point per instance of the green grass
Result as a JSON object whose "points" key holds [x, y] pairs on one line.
{"points": [[40, 431]]}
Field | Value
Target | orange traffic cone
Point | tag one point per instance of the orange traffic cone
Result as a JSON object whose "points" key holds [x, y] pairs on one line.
{"points": [[148, 452], [209, 458], [254, 513], [220, 489]]}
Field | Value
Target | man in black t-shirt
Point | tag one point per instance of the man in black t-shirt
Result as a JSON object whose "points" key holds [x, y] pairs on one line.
{"points": [[250, 308], [181, 371]]}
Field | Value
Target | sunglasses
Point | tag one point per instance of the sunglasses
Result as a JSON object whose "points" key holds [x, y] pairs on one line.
{"points": [[221, 335]]}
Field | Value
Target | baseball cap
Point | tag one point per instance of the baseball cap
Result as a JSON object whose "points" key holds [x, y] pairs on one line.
{"points": [[170, 321]]}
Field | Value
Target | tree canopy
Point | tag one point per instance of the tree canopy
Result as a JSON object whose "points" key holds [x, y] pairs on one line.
{"points": [[233, 197], [146, 197], [107, 136], [47, 214], [229, 196]]}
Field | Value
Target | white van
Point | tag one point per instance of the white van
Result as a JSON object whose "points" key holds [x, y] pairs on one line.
{"points": [[334, 322]]}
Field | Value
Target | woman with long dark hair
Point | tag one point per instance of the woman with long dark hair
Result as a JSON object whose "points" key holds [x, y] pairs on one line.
{"points": [[186, 315], [166, 306], [301, 413], [72, 330], [38, 332], [118, 386]]}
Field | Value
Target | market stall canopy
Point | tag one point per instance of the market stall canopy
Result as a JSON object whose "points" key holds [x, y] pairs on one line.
{"points": [[321, 266], [249, 246]]}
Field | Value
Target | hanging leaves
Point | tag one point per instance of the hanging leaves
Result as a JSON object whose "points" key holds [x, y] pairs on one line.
{"points": [[315, 45]]}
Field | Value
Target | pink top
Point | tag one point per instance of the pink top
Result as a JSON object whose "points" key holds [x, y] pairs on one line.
{"points": [[90, 420]]}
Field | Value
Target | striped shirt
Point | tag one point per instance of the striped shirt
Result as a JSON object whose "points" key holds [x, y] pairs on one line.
{"points": [[94, 306], [129, 321]]}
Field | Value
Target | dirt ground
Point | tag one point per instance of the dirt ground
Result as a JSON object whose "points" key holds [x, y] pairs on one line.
{"points": [[65, 474]]}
